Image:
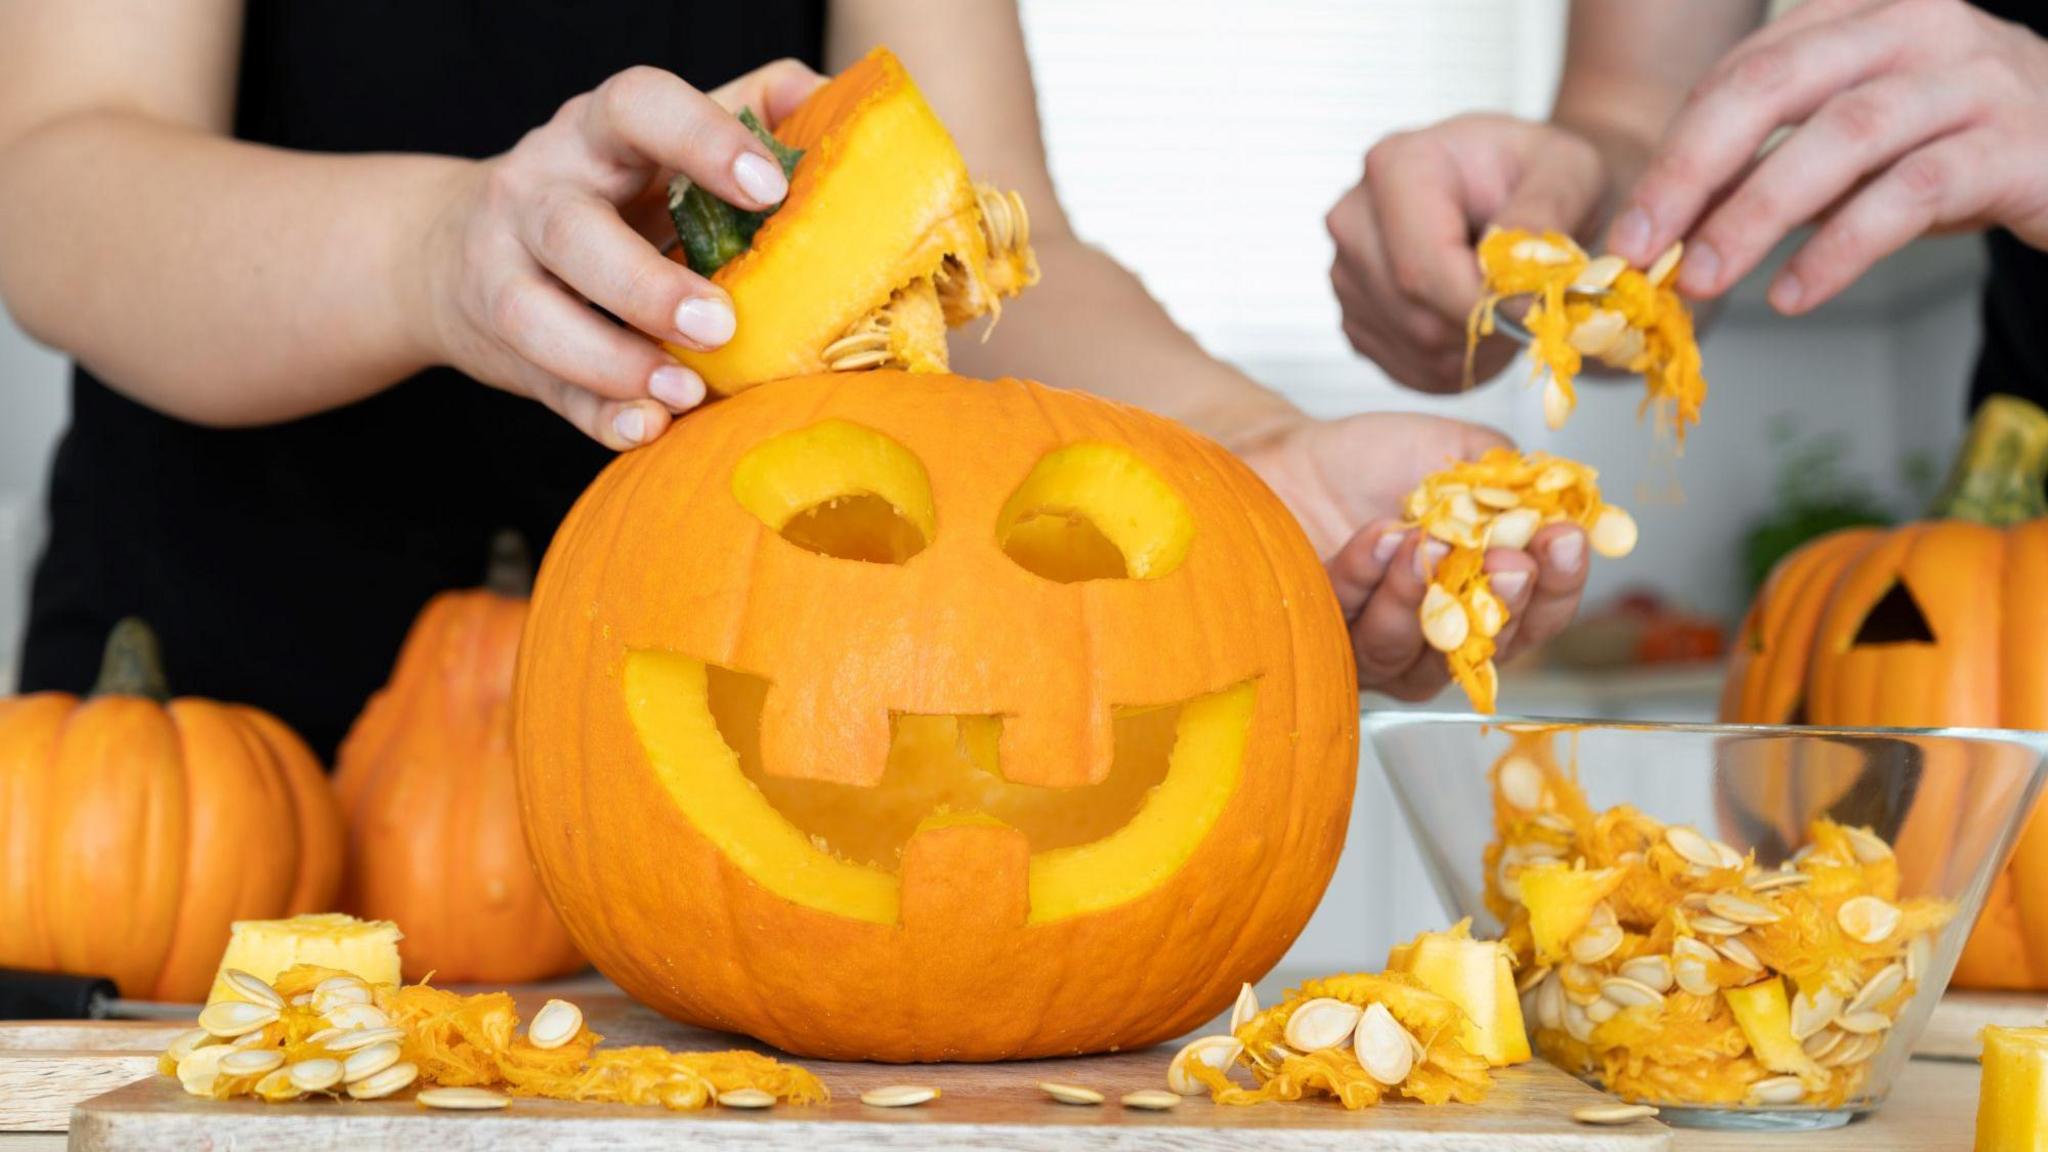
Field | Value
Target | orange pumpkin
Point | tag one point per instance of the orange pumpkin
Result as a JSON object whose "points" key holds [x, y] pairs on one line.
{"points": [[920, 718], [1936, 623], [135, 828], [426, 781]]}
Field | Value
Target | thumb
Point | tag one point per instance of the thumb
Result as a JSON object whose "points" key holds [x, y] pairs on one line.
{"points": [[1560, 188]]}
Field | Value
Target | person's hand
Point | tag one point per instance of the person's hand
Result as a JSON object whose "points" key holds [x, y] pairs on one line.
{"points": [[1346, 480], [529, 240], [1405, 270], [1912, 116]]}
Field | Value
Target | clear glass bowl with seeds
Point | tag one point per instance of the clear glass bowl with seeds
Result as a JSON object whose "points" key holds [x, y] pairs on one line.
{"points": [[1745, 926]]}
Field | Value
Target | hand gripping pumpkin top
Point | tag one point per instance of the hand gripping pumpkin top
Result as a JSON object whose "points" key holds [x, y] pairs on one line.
{"points": [[899, 717], [883, 242]]}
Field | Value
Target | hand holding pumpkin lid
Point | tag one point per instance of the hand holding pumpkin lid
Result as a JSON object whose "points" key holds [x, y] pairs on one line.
{"points": [[883, 243]]}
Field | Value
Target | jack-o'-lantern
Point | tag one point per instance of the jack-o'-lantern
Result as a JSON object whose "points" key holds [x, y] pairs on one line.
{"points": [[904, 718], [1937, 623]]}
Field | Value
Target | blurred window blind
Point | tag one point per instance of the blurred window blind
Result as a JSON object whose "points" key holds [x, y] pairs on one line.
{"points": [[1202, 141]]}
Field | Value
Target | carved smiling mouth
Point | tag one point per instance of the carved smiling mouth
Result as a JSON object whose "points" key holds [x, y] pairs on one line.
{"points": [[841, 848]]}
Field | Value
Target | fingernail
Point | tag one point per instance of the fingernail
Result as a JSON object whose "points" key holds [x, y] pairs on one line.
{"points": [[677, 387], [1786, 291], [1567, 552], [631, 425], [1389, 543], [1701, 271], [706, 321], [760, 178], [1427, 556], [1508, 585], [1632, 235]]}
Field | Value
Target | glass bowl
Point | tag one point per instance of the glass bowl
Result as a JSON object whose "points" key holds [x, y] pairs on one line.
{"points": [[1490, 799]]}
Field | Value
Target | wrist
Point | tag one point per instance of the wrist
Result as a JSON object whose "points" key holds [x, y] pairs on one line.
{"points": [[424, 266]]}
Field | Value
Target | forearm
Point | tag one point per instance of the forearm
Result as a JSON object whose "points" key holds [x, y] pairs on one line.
{"points": [[218, 281], [1091, 325]]}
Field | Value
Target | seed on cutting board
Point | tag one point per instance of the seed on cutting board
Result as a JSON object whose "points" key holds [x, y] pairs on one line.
{"points": [[363, 1064], [1777, 1090], [737, 1098], [485, 1100], [1613, 1113], [184, 1042], [251, 989], [231, 1018], [1247, 1006], [277, 1087], [557, 1023], [1072, 1093], [393, 1079], [1151, 1100], [251, 1063], [315, 1075], [1384, 1048], [352, 1041], [197, 1072], [1866, 919], [353, 1015], [898, 1096], [1216, 1051], [1320, 1023]]}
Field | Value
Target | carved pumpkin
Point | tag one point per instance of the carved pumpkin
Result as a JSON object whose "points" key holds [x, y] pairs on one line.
{"points": [[883, 242], [920, 718], [1937, 623], [426, 781], [135, 828]]}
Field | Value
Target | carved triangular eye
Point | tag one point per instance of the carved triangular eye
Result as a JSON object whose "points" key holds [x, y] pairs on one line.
{"points": [[1895, 619]]}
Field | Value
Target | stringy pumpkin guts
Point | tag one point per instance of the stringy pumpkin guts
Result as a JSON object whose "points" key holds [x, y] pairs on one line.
{"points": [[1367, 1038], [1628, 319], [1673, 969], [385, 1039], [1498, 501]]}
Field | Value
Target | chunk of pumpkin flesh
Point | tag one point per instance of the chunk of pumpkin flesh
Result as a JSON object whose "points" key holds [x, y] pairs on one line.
{"points": [[1561, 902], [668, 699], [880, 200], [1479, 978], [1765, 1017], [2012, 1104]]}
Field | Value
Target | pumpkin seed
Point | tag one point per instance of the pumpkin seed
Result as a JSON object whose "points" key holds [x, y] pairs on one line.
{"points": [[1075, 1094], [1614, 533], [1866, 1047], [251, 1063], [354, 1040], [198, 1072], [1530, 979], [1498, 499], [1384, 1049], [1151, 1100], [184, 1042], [1879, 988], [1692, 847], [1489, 616], [1626, 350], [1550, 1003], [1666, 263], [1598, 332], [1444, 623], [1729, 906], [251, 989], [353, 1015], [1919, 953], [1867, 919], [1217, 1052], [231, 1018], [1810, 1015], [1715, 926], [485, 1100], [1863, 1023], [1649, 971], [302, 1000], [1630, 993], [1613, 1113], [1739, 954], [1599, 275], [1692, 978], [326, 1036], [367, 1062], [1513, 529], [900, 1096], [257, 1039], [557, 1023], [1818, 1045], [1535, 250], [1247, 1006], [277, 1087], [743, 1098], [1596, 944], [1777, 1090], [345, 986], [1321, 1023], [1602, 1010], [316, 1075], [1557, 403], [1772, 881], [1577, 1024], [1868, 846], [1849, 1051], [396, 1078], [1687, 948]]}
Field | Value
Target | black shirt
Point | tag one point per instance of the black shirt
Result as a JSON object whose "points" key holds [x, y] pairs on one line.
{"points": [[282, 565], [2014, 356]]}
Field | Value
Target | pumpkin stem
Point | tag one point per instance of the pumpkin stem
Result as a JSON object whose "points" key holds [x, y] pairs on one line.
{"points": [[133, 664], [1998, 475], [511, 567]]}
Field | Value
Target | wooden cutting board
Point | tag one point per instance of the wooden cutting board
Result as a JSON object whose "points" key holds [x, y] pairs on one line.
{"points": [[48, 1067], [1952, 1031], [981, 1106]]}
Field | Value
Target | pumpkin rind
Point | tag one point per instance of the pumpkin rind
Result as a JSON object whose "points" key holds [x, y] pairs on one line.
{"points": [[659, 557]]}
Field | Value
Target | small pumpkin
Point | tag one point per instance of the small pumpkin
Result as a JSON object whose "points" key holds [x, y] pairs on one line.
{"points": [[1934, 623], [883, 242], [134, 828], [425, 778], [911, 717]]}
